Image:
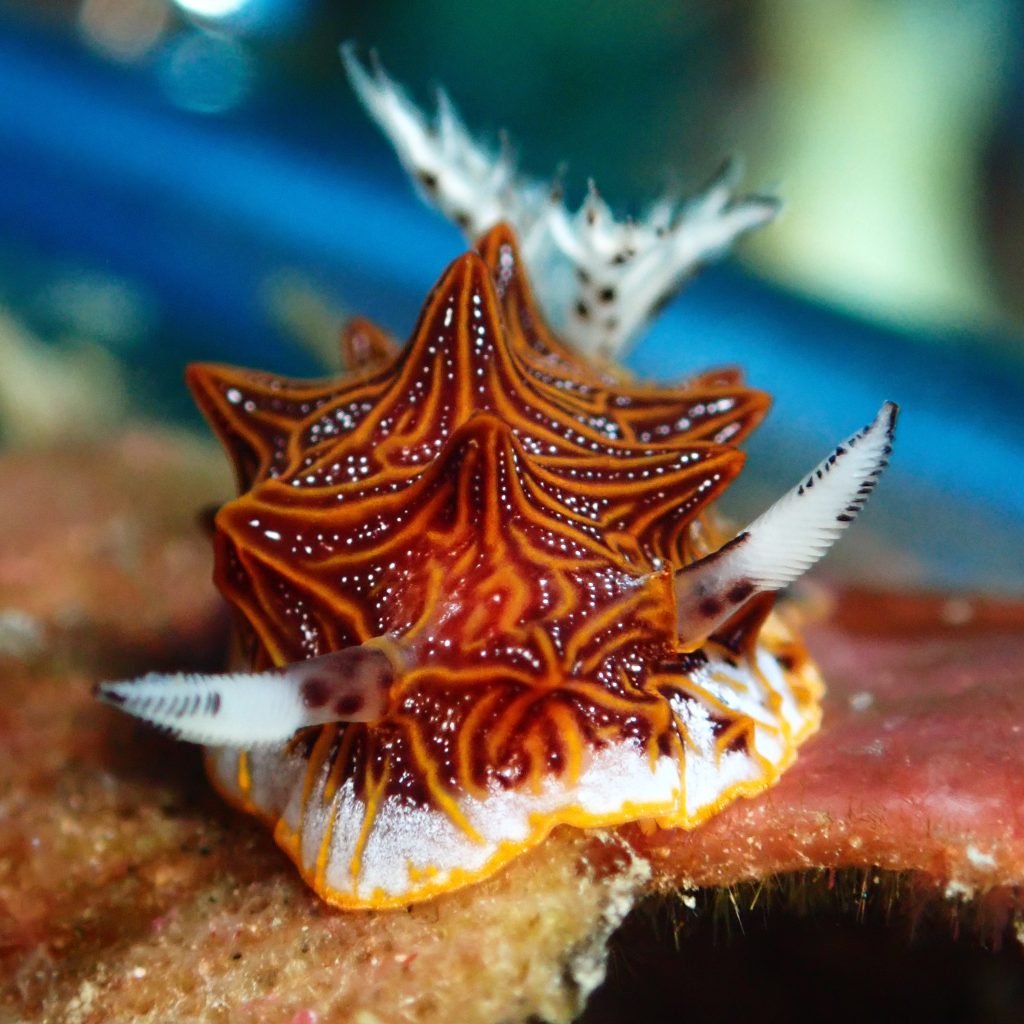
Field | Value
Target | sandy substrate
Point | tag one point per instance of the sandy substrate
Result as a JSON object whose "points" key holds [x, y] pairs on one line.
{"points": [[128, 891]]}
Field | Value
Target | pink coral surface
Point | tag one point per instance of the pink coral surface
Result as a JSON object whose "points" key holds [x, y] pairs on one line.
{"points": [[919, 765]]}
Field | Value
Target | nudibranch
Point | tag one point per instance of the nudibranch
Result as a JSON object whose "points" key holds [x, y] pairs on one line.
{"points": [[478, 587]]}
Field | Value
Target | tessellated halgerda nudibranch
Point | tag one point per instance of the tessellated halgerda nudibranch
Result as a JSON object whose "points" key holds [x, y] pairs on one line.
{"points": [[479, 590]]}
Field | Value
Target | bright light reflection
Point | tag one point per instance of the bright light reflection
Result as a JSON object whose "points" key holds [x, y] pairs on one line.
{"points": [[212, 8]]}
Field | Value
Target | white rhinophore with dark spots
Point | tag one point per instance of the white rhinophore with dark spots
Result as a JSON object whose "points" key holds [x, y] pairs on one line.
{"points": [[246, 709], [784, 542]]}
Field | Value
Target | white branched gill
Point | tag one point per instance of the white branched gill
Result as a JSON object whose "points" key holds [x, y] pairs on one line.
{"points": [[599, 279]]}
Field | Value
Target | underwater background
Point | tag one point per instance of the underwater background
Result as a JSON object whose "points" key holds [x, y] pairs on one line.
{"points": [[193, 180]]}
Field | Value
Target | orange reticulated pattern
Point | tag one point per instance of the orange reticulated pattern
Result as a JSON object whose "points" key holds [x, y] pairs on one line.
{"points": [[507, 514]]}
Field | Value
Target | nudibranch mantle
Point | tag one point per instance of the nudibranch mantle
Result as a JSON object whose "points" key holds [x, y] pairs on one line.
{"points": [[485, 502], [479, 593]]}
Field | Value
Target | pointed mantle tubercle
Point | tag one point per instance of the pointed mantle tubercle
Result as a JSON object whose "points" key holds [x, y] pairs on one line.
{"points": [[783, 543]]}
